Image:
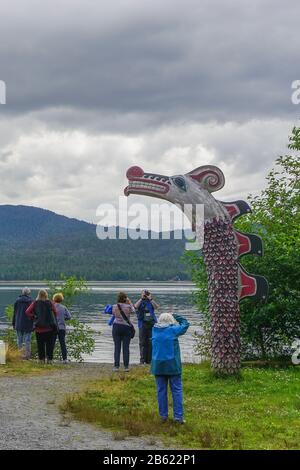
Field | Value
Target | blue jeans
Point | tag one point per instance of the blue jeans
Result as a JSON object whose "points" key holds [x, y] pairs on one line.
{"points": [[177, 395], [24, 339]]}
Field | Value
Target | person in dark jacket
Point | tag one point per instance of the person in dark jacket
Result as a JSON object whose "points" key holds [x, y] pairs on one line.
{"points": [[145, 308], [166, 363], [43, 313], [22, 324]]}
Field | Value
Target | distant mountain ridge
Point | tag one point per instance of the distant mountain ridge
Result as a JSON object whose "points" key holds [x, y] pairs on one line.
{"points": [[40, 244], [27, 223]]}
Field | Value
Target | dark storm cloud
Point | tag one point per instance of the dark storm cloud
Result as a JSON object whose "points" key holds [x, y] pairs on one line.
{"points": [[163, 61], [94, 87]]}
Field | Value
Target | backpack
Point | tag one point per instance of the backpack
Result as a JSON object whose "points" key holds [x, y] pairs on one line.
{"points": [[44, 315], [144, 314]]}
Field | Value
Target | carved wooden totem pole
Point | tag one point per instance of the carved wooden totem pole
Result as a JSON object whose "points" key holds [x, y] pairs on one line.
{"points": [[228, 282]]}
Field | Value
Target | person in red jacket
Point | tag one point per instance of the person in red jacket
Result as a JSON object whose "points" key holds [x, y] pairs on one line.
{"points": [[43, 312]]}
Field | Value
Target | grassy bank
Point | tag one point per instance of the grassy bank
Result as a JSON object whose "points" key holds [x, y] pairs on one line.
{"points": [[25, 368], [16, 366], [260, 410]]}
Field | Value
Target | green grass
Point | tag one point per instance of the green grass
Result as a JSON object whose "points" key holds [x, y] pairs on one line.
{"points": [[259, 410], [25, 368]]}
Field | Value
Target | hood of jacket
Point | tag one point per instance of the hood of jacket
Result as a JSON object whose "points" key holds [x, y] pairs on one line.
{"points": [[163, 325], [25, 298]]}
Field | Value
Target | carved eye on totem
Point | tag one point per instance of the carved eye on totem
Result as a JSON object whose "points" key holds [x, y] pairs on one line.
{"points": [[180, 182]]}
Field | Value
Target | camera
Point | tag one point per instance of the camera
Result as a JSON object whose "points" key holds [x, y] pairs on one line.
{"points": [[146, 294]]}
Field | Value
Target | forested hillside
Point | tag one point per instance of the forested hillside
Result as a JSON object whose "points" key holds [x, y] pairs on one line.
{"points": [[38, 244]]}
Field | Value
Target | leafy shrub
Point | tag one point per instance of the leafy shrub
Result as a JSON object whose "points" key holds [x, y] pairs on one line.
{"points": [[268, 329]]}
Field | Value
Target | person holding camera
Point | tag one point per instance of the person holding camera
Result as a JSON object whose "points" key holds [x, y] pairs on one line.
{"points": [[166, 363], [123, 330], [145, 308]]}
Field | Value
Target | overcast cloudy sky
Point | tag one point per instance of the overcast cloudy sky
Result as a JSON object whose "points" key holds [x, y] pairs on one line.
{"points": [[95, 86]]}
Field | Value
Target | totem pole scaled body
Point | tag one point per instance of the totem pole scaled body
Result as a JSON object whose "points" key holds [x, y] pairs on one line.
{"points": [[228, 282]]}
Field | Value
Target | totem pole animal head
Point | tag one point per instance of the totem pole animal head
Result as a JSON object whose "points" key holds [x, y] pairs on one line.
{"points": [[223, 246], [192, 188]]}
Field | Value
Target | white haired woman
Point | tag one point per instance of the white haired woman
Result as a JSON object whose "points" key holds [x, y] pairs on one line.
{"points": [[21, 323], [166, 363]]}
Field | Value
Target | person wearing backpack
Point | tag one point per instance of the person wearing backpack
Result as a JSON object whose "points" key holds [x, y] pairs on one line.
{"points": [[22, 324], [122, 330], [43, 313], [145, 308]]}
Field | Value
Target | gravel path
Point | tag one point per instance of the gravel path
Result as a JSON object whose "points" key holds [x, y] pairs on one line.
{"points": [[30, 418]]}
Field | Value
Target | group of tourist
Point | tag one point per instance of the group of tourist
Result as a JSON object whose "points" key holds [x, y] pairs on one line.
{"points": [[158, 337], [48, 320]]}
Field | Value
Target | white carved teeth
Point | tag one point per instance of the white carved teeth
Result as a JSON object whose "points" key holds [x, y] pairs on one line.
{"points": [[144, 185]]}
